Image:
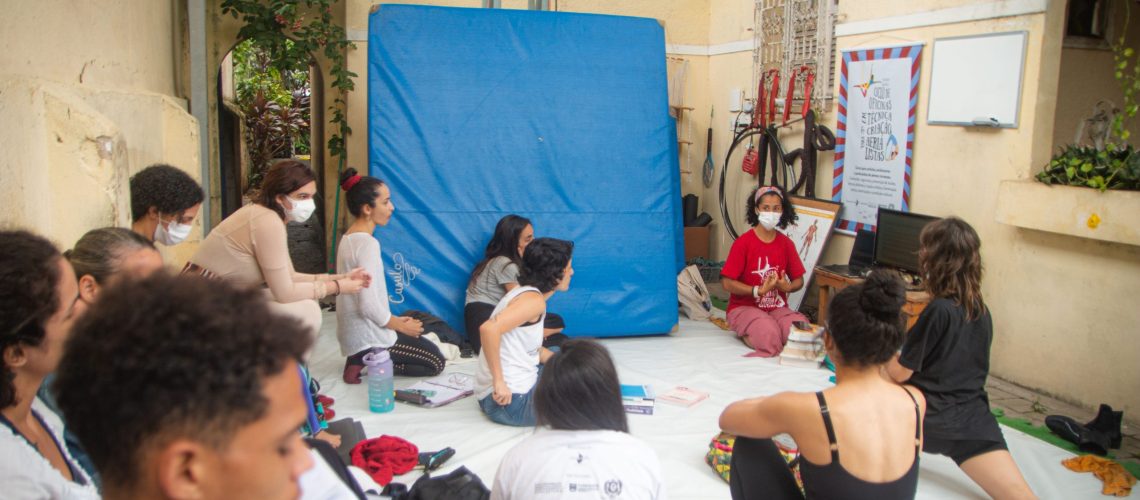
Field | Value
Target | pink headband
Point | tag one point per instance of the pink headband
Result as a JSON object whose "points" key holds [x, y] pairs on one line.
{"points": [[767, 190]]}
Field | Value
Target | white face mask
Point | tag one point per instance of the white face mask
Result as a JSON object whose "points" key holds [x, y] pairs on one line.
{"points": [[173, 235], [769, 219], [302, 210]]}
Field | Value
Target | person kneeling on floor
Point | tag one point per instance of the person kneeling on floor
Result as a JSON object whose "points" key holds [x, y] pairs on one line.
{"points": [[364, 321], [214, 399], [947, 355], [762, 268], [512, 338]]}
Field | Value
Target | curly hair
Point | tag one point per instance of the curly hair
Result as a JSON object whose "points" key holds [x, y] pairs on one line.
{"points": [[504, 243], [951, 262], [788, 212], [543, 263], [360, 193], [28, 298], [100, 251], [283, 177], [866, 321], [579, 390], [166, 188], [191, 354]]}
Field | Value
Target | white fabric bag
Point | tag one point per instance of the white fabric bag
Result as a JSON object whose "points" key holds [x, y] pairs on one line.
{"points": [[692, 294]]}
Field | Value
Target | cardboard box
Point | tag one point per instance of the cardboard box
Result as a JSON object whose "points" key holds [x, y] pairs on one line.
{"points": [[696, 242]]}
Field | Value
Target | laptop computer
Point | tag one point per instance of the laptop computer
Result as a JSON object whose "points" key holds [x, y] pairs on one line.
{"points": [[861, 259]]}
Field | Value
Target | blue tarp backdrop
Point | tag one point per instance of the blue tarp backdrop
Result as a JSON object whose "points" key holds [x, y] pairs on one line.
{"points": [[561, 118]]}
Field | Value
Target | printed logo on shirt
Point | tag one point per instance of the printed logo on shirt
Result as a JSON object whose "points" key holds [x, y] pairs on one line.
{"points": [[583, 487], [541, 488], [772, 299], [613, 487], [402, 273]]}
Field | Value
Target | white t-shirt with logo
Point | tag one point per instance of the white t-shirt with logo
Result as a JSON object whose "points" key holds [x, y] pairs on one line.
{"points": [[557, 464], [518, 352]]}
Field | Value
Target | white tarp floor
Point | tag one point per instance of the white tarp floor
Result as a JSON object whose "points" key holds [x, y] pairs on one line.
{"points": [[698, 355]]}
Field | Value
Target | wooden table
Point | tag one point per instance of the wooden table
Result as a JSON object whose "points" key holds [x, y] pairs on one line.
{"points": [[830, 282]]}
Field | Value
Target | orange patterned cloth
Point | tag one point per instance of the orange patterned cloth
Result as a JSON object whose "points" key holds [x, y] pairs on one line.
{"points": [[719, 322], [1117, 480]]}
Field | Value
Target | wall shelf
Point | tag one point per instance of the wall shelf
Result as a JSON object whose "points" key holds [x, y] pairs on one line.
{"points": [[1070, 210]]}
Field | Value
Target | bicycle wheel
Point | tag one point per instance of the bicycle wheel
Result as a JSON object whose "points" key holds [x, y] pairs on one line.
{"points": [[733, 198]]}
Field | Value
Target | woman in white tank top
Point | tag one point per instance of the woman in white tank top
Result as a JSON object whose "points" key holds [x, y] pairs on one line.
{"points": [[512, 338]]}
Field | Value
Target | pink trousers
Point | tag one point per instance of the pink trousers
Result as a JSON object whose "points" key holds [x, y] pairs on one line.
{"points": [[767, 332]]}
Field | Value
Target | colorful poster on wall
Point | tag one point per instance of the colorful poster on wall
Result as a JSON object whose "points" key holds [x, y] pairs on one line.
{"points": [[878, 91]]}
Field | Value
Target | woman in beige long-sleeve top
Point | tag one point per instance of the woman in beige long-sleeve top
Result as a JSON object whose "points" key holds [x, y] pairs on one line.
{"points": [[250, 248]]}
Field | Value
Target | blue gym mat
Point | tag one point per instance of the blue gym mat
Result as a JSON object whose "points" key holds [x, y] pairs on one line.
{"points": [[561, 118]]}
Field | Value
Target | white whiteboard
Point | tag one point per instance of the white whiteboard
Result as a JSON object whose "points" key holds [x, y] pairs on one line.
{"points": [[976, 80]]}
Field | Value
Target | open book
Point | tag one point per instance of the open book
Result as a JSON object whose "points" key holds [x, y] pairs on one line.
{"points": [[438, 391]]}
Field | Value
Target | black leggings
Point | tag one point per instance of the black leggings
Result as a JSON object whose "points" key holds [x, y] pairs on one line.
{"points": [[477, 313], [759, 471], [411, 356]]}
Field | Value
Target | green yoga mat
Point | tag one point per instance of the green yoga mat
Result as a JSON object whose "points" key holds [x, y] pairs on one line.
{"points": [[719, 303], [1043, 433]]}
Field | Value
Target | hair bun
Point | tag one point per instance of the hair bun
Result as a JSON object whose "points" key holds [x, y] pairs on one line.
{"points": [[348, 173], [883, 295]]}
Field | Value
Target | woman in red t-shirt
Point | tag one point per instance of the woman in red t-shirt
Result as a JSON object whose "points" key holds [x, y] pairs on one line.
{"points": [[763, 267]]}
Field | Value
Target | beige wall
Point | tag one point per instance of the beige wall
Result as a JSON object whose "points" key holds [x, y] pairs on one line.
{"points": [[1061, 305], [95, 103]]}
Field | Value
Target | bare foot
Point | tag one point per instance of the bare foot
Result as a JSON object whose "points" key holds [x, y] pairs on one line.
{"points": [[329, 438], [744, 338]]}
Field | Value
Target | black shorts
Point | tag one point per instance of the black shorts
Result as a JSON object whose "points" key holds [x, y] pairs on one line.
{"points": [[961, 450]]}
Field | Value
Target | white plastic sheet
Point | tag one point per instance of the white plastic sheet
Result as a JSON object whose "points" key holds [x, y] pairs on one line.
{"points": [[700, 356]]}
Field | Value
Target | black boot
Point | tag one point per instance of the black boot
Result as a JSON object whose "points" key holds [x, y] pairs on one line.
{"points": [[1086, 439], [1108, 422]]}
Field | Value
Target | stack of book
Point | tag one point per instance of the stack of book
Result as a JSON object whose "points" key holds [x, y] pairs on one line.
{"points": [[804, 347], [637, 399]]}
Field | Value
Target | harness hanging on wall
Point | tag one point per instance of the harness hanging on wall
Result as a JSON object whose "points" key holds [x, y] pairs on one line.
{"points": [[754, 160], [816, 137], [770, 151]]}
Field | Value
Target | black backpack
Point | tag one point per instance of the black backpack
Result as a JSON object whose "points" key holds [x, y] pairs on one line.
{"points": [[459, 484]]}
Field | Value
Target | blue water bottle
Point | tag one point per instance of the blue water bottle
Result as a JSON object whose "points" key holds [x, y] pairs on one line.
{"points": [[381, 392]]}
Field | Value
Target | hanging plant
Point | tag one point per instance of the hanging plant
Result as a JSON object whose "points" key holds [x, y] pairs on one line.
{"points": [[282, 30]]}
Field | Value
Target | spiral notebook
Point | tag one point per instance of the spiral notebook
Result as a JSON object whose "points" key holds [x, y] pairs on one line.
{"points": [[438, 391]]}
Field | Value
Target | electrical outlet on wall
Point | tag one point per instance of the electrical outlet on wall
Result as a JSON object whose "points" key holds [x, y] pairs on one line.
{"points": [[735, 100]]}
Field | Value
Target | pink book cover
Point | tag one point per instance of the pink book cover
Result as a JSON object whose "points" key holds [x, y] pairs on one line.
{"points": [[682, 396]]}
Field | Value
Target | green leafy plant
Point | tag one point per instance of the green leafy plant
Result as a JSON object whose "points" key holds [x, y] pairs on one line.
{"points": [[290, 31], [275, 107], [1117, 165], [1111, 168]]}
